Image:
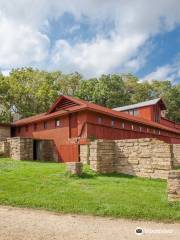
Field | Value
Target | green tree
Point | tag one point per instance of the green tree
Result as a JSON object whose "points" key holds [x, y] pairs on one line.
{"points": [[110, 91], [172, 100]]}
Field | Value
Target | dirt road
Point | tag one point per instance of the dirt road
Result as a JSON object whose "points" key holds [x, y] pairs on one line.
{"points": [[28, 224]]}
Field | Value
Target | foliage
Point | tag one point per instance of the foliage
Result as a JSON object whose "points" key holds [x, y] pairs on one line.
{"points": [[28, 91], [46, 186]]}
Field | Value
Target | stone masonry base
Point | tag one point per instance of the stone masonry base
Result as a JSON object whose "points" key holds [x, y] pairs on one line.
{"points": [[174, 185], [146, 157]]}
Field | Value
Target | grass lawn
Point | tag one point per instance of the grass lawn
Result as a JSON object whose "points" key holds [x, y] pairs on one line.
{"points": [[46, 186]]}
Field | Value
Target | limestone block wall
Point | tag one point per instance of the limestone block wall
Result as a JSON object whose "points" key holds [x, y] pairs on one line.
{"points": [[176, 152], [5, 132], [146, 157], [74, 168], [149, 158], [4, 148], [174, 185], [21, 148], [84, 153], [101, 156]]}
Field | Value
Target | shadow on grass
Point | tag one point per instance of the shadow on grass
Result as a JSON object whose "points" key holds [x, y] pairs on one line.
{"points": [[38, 161], [93, 175], [117, 175]]}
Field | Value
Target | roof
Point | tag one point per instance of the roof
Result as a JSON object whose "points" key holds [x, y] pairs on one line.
{"points": [[141, 104], [84, 105]]}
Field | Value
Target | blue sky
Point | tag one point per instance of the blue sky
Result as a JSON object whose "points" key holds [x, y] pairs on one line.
{"points": [[92, 37]]}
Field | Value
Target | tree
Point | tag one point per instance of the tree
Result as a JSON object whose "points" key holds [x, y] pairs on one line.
{"points": [[86, 90], [28, 91], [111, 92], [172, 100]]}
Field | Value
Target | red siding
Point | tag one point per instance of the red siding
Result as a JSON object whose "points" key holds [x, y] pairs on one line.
{"points": [[146, 113], [81, 126], [167, 122], [130, 130], [60, 135], [69, 152]]}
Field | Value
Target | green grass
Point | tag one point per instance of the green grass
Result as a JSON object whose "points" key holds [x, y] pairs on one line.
{"points": [[46, 186]]}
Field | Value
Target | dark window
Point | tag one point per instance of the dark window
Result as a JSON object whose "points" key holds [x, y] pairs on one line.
{"points": [[35, 126], [100, 120], [19, 129], [57, 123], [27, 128], [45, 125]]}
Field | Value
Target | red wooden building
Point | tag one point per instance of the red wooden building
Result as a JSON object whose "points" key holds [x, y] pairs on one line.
{"points": [[71, 122]]}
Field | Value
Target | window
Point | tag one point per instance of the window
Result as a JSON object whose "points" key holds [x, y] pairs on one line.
{"points": [[35, 126], [112, 123], [136, 112], [132, 127], [100, 120], [122, 125], [45, 125], [147, 129], [159, 132], [154, 131], [57, 123], [27, 128], [140, 129], [131, 112], [19, 129]]}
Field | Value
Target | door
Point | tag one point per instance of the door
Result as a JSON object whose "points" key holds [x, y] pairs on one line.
{"points": [[36, 149], [69, 152]]}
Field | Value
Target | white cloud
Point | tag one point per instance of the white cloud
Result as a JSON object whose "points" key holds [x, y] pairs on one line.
{"points": [[99, 56], [5, 72], [135, 22], [20, 44], [167, 72]]}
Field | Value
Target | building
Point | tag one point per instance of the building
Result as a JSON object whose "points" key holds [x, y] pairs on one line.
{"points": [[70, 122]]}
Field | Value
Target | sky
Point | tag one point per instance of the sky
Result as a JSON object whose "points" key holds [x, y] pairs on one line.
{"points": [[92, 37]]}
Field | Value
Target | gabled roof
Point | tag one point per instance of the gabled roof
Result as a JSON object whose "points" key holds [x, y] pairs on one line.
{"points": [[142, 104], [84, 105], [64, 102]]}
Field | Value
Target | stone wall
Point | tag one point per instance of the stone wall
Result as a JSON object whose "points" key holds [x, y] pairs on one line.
{"points": [[174, 185], [21, 148], [149, 158], [101, 156], [4, 148], [46, 151], [84, 153], [5, 132], [176, 152], [74, 168]]}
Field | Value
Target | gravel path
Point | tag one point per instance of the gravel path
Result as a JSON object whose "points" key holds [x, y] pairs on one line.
{"points": [[28, 224]]}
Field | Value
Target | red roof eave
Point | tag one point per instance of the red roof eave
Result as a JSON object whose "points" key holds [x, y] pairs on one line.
{"points": [[134, 119], [84, 105]]}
